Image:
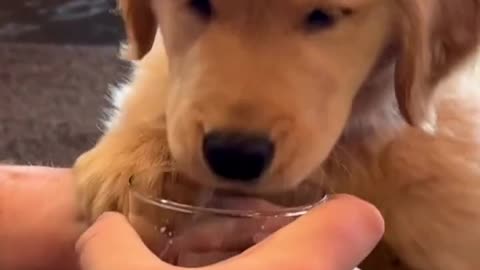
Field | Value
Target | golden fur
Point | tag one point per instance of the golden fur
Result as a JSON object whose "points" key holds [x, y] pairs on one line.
{"points": [[384, 105]]}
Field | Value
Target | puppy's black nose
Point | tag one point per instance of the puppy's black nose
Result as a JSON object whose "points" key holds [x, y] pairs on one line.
{"points": [[237, 157]]}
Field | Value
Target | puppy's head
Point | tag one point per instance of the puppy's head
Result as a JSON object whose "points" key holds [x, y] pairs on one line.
{"points": [[262, 89]]}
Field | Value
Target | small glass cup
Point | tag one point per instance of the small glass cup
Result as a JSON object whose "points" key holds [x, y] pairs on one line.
{"points": [[190, 226]]}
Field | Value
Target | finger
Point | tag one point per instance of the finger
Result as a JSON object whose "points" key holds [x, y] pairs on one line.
{"points": [[336, 236], [111, 243], [32, 173]]}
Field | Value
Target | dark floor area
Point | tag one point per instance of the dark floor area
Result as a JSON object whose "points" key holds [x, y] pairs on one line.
{"points": [[86, 22], [51, 99], [57, 60]]}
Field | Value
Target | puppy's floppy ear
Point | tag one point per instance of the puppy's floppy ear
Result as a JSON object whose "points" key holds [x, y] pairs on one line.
{"points": [[140, 25], [436, 36]]}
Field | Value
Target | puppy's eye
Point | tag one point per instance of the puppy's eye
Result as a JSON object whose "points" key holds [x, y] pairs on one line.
{"points": [[320, 19], [202, 7]]}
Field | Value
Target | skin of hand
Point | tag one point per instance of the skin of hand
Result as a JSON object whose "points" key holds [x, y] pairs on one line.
{"points": [[38, 219], [39, 227]]}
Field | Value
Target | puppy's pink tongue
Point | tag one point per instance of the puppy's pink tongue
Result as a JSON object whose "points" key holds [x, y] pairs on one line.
{"points": [[246, 204]]}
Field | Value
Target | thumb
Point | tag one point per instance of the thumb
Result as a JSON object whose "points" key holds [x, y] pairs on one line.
{"points": [[111, 243], [336, 236]]}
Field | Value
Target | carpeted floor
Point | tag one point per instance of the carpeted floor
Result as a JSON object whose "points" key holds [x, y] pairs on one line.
{"points": [[51, 100]]}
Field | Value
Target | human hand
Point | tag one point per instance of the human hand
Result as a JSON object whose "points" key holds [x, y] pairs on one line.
{"points": [[38, 219], [338, 235]]}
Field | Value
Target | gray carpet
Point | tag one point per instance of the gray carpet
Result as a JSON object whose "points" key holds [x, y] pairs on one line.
{"points": [[51, 100]]}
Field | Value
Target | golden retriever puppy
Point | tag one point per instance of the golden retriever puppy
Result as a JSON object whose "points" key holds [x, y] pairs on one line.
{"points": [[377, 98]]}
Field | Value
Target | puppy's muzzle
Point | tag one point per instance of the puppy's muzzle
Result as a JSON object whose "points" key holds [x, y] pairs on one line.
{"points": [[238, 157]]}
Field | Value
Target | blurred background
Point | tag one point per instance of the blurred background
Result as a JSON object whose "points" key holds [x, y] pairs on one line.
{"points": [[58, 59]]}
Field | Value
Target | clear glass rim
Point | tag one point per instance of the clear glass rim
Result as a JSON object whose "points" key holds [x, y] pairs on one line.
{"points": [[233, 213]]}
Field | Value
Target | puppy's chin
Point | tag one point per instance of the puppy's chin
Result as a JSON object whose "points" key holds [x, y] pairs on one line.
{"points": [[265, 185], [274, 186], [197, 192]]}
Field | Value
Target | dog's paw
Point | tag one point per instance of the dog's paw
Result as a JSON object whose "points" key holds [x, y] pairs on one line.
{"points": [[102, 175], [100, 185]]}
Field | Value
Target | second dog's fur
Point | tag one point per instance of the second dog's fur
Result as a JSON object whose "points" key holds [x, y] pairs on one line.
{"points": [[377, 98]]}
